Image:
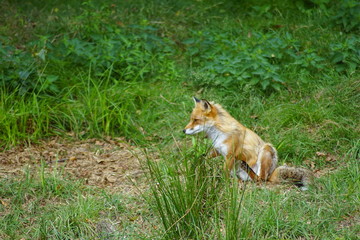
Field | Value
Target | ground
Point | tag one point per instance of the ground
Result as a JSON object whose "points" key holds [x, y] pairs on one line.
{"points": [[112, 163], [116, 165]]}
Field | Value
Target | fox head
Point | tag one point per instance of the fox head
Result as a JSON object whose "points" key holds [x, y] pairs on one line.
{"points": [[202, 117]]}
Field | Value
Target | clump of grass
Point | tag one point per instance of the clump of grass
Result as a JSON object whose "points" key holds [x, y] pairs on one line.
{"points": [[194, 200], [190, 195], [91, 108], [23, 118]]}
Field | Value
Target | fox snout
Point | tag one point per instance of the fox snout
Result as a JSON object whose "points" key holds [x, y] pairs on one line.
{"points": [[194, 130], [189, 131], [186, 131]]}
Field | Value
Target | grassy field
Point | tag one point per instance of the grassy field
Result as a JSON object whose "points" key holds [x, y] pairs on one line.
{"points": [[79, 70]]}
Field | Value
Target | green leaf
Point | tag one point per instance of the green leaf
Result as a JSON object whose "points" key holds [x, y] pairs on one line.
{"points": [[51, 78], [254, 81], [276, 86], [265, 84], [41, 54], [337, 57], [189, 41]]}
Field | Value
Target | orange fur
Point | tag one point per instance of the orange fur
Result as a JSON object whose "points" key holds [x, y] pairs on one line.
{"points": [[244, 151]]}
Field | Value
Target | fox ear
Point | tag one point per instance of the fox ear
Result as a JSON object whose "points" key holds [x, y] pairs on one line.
{"points": [[196, 100], [206, 105]]}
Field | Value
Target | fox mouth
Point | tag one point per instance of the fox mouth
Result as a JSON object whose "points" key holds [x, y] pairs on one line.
{"points": [[190, 131], [194, 130]]}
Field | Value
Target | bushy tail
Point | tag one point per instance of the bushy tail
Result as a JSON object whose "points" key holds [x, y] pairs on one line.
{"points": [[301, 177]]}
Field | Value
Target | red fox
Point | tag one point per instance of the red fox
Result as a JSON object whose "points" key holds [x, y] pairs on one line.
{"points": [[246, 154]]}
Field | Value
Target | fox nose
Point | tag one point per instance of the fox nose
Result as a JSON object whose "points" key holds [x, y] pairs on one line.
{"points": [[184, 131]]}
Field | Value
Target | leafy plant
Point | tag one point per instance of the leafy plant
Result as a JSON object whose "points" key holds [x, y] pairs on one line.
{"points": [[130, 56], [131, 53], [19, 70], [229, 61], [347, 14], [346, 55], [310, 61]]}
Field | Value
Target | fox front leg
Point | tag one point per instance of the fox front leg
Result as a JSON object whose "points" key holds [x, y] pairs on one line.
{"points": [[228, 166]]}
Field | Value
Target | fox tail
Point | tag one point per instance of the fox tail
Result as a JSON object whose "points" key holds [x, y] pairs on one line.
{"points": [[301, 177]]}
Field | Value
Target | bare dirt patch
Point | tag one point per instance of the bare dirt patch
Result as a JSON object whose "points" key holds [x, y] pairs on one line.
{"points": [[112, 163]]}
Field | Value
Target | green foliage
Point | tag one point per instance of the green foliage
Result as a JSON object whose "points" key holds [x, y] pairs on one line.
{"points": [[131, 53], [344, 13], [97, 40], [131, 56], [21, 71], [228, 61], [346, 55], [347, 15]]}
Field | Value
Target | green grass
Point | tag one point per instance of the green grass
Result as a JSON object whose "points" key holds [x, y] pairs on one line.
{"points": [[45, 204], [194, 202], [288, 70]]}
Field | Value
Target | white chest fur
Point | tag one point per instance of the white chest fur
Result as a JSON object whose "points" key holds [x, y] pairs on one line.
{"points": [[218, 139]]}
